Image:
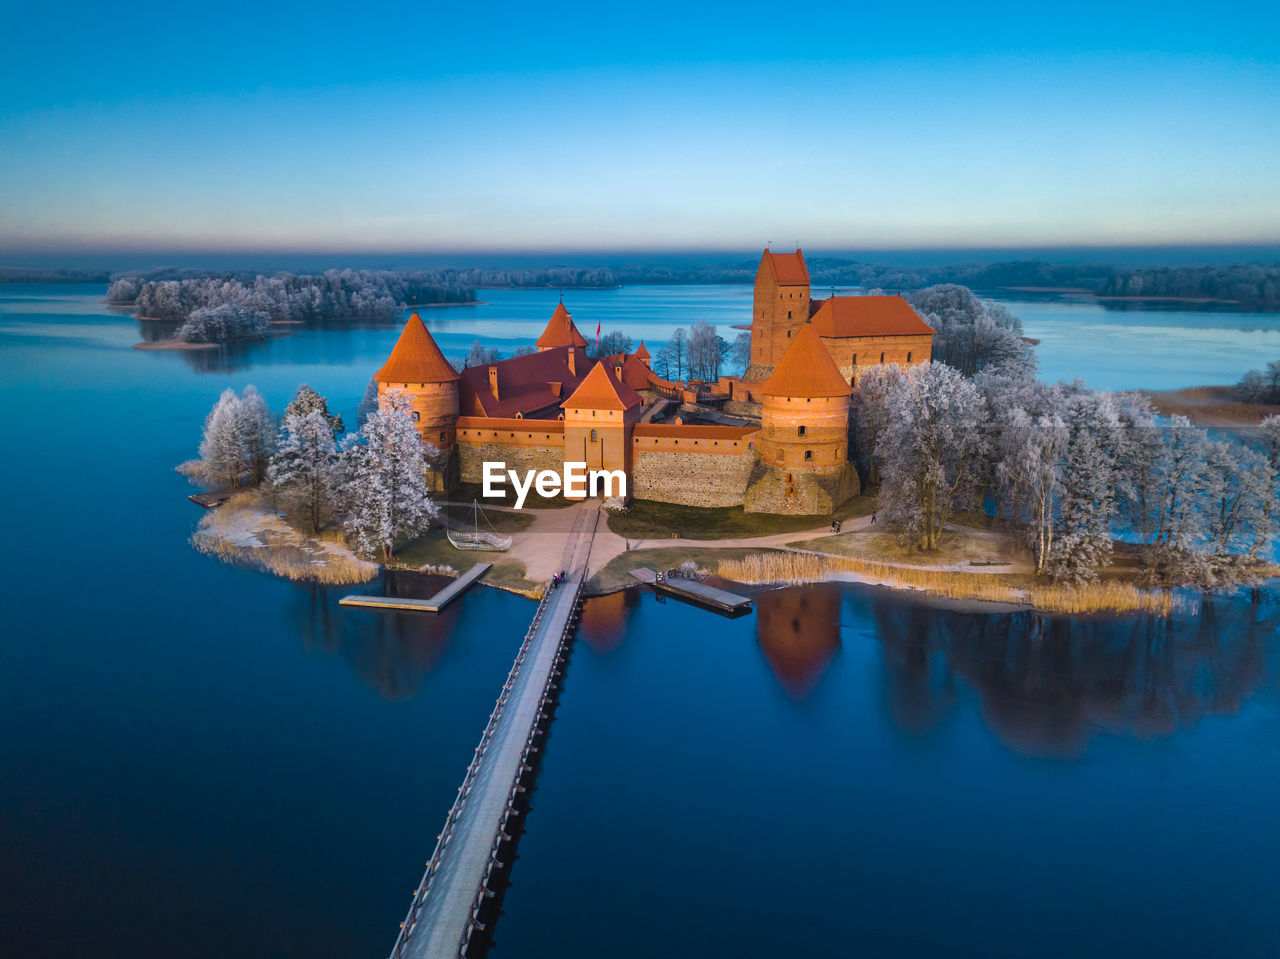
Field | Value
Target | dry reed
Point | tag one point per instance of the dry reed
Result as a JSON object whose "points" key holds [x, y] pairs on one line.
{"points": [[986, 587], [240, 532]]}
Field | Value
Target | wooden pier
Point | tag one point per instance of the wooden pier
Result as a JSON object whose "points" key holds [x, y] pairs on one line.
{"points": [[718, 599], [432, 605], [451, 908]]}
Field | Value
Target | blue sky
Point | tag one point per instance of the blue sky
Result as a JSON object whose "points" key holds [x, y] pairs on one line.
{"points": [[665, 126]]}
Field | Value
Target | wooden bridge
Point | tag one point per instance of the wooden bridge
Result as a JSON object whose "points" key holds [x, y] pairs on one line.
{"points": [[445, 917]]}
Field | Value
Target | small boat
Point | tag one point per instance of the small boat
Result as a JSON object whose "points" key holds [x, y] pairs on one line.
{"points": [[477, 538]]}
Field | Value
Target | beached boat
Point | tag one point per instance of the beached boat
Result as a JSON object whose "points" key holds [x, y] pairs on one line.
{"points": [[477, 538]]}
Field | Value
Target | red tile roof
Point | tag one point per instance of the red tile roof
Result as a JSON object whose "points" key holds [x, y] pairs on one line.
{"points": [[788, 268], [415, 358], [842, 316], [806, 369], [642, 353], [634, 373], [524, 385], [698, 431], [560, 330], [601, 390]]}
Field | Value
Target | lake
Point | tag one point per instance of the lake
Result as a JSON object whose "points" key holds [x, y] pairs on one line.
{"points": [[200, 760]]}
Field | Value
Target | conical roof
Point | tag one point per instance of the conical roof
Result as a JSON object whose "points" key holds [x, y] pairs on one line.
{"points": [[642, 353], [806, 369], [599, 390], [560, 330], [416, 358]]}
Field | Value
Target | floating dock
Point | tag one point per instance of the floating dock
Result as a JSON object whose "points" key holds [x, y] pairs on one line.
{"points": [[433, 605], [691, 589]]}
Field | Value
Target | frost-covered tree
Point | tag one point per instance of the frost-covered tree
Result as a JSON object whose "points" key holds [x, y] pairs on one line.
{"points": [[1236, 481], [222, 459], [930, 450], [304, 468], [223, 324], [871, 417], [386, 488], [481, 355], [611, 343], [1268, 443], [1082, 536], [740, 351], [973, 334], [257, 429], [307, 400], [1030, 467]]}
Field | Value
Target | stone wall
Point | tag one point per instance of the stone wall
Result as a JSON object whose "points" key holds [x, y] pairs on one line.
{"points": [[797, 492], [692, 479], [473, 456]]}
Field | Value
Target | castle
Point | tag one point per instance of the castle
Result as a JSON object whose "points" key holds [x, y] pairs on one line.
{"points": [[774, 440]]}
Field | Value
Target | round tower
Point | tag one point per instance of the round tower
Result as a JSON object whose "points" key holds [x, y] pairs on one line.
{"points": [[804, 433], [420, 371]]}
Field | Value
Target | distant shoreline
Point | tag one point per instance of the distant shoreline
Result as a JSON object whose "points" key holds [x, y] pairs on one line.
{"points": [[1217, 406]]}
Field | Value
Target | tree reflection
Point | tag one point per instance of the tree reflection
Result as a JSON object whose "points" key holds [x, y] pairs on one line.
{"points": [[1047, 685], [392, 652]]}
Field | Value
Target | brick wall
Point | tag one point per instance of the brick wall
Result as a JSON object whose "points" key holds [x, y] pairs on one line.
{"points": [[691, 479], [808, 493], [473, 456]]}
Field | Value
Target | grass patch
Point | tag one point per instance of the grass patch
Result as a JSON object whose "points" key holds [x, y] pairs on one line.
{"points": [[434, 550], [616, 574], [959, 546], [646, 519], [1108, 597]]}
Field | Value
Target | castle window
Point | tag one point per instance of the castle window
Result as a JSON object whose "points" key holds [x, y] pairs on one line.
{"points": [[799, 431], [416, 416], [464, 433], [881, 357], [788, 334], [790, 478], [788, 314], [751, 445], [808, 456], [854, 360], [594, 438], [908, 356]]}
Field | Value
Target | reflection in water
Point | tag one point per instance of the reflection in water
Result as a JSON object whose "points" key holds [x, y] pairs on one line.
{"points": [[799, 631], [604, 619], [1047, 685], [392, 652]]}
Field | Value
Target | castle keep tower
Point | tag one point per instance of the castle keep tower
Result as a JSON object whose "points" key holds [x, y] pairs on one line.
{"points": [[780, 307], [418, 369], [804, 442], [560, 332]]}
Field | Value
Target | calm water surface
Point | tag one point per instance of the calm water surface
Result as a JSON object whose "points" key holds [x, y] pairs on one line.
{"points": [[198, 760]]}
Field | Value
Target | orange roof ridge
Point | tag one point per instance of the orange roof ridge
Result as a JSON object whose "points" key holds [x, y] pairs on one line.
{"points": [[788, 268], [806, 369], [599, 390], [560, 330], [416, 358]]}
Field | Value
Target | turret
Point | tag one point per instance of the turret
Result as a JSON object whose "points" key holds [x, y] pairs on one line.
{"points": [[418, 369], [805, 408]]}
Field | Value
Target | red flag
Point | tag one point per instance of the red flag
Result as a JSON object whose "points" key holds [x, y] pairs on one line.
{"points": [[597, 336]]}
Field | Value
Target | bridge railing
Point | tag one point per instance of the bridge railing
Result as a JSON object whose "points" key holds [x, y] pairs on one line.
{"points": [[468, 781]]}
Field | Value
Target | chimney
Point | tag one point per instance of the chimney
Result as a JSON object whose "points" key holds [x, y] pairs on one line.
{"points": [[493, 382], [554, 386], [573, 361], [617, 371]]}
